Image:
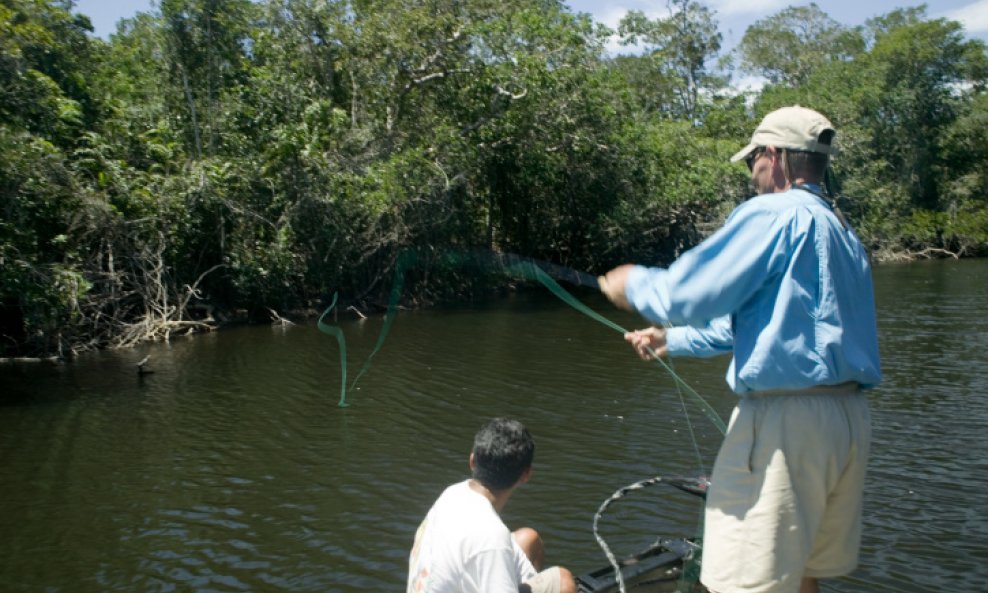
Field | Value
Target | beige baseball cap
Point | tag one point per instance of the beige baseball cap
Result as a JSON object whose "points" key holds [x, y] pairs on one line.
{"points": [[795, 128]]}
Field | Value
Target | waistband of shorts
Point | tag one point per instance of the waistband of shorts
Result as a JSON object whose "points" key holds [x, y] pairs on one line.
{"points": [[848, 388]]}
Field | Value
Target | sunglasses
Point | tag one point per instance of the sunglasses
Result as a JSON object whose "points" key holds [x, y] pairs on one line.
{"points": [[751, 158]]}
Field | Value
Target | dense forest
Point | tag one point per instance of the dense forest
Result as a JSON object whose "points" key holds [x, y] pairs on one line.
{"points": [[218, 159]]}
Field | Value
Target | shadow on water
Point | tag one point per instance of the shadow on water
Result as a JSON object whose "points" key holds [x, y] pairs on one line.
{"points": [[231, 468]]}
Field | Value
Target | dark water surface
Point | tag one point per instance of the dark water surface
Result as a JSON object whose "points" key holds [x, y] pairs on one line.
{"points": [[232, 469]]}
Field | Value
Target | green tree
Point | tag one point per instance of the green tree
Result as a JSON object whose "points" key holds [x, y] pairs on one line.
{"points": [[924, 69], [45, 106], [678, 47], [789, 46], [205, 49], [45, 57]]}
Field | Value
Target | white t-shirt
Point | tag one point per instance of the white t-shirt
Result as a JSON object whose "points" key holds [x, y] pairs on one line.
{"points": [[462, 546]]}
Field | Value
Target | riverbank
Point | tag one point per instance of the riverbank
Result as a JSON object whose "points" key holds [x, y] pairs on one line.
{"points": [[213, 318]]}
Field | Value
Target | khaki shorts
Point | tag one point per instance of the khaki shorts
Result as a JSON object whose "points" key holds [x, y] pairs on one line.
{"points": [[786, 491], [547, 581]]}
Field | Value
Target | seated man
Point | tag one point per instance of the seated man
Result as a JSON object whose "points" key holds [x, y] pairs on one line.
{"points": [[463, 546]]}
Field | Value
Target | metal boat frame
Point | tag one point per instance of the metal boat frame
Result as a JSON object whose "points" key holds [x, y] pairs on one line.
{"points": [[659, 568]]}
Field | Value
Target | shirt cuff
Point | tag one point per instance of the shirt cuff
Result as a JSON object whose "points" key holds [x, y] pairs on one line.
{"points": [[640, 289], [677, 341]]}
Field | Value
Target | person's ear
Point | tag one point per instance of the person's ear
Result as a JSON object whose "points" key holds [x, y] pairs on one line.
{"points": [[525, 475], [472, 462]]}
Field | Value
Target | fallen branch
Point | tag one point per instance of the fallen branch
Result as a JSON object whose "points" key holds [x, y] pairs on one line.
{"points": [[30, 359], [930, 251], [278, 319], [357, 311]]}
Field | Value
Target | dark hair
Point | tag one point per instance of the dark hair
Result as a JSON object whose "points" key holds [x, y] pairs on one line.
{"points": [[502, 449], [808, 165]]}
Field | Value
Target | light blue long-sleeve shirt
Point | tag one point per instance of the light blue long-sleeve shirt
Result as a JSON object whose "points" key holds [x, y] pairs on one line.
{"points": [[783, 284]]}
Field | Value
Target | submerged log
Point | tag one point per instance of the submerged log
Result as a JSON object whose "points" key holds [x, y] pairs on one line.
{"points": [[31, 359], [142, 368]]}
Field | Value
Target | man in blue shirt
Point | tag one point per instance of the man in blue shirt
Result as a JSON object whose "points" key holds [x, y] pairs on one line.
{"points": [[785, 286]]}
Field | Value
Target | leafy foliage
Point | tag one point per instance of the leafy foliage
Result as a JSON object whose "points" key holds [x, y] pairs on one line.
{"points": [[216, 158], [678, 48], [788, 47]]}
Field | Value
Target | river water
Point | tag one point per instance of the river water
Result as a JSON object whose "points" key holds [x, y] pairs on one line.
{"points": [[231, 467]]}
